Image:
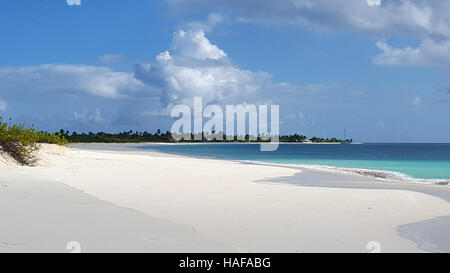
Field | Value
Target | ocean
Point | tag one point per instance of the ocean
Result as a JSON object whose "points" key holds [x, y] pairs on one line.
{"points": [[423, 163]]}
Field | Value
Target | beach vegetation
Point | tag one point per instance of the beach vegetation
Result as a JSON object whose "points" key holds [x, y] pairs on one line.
{"points": [[166, 137], [20, 141], [329, 140]]}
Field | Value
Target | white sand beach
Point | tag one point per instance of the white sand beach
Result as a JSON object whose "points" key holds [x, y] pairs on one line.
{"points": [[113, 200]]}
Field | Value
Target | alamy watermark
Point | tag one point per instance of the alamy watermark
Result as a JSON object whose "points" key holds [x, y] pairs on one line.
{"points": [[191, 126], [373, 247], [73, 247]]}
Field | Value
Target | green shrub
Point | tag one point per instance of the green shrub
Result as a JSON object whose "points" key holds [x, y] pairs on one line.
{"points": [[21, 141], [44, 137]]}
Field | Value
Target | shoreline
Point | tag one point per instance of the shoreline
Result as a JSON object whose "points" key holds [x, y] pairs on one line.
{"points": [[347, 180], [232, 203], [315, 178], [381, 175]]}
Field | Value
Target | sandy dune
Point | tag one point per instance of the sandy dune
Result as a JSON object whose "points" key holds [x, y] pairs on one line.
{"points": [[223, 201]]}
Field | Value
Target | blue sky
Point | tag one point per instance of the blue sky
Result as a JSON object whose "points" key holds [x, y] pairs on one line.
{"points": [[381, 72]]}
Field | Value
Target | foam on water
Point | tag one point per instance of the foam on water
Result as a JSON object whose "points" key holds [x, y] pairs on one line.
{"points": [[412, 163], [390, 176]]}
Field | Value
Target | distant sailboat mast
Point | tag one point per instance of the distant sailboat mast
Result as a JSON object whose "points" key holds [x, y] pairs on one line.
{"points": [[344, 141]]}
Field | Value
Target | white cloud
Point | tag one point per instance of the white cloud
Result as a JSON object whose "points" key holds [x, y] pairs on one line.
{"points": [[195, 67], [3, 105], [193, 44], [428, 21], [417, 101], [94, 80], [429, 53], [73, 2], [192, 66], [412, 17], [374, 2]]}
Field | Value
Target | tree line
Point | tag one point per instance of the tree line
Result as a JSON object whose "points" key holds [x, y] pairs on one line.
{"points": [[21, 141], [159, 136]]}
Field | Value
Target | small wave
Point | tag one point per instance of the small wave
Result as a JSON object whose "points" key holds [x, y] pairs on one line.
{"points": [[390, 176]]}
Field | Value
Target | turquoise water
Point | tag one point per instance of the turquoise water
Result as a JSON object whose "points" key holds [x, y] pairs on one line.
{"points": [[402, 161]]}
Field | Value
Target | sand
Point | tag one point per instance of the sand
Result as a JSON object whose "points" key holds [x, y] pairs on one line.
{"points": [[226, 206]]}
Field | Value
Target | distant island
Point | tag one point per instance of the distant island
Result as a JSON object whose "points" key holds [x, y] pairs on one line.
{"points": [[20, 141], [158, 136]]}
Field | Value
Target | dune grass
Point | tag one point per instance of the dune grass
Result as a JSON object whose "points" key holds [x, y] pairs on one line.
{"points": [[20, 141]]}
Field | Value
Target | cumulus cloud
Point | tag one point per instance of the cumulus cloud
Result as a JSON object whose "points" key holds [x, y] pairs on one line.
{"points": [[195, 67], [93, 80], [192, 66], [3, 105], [428, 21], [193, 44]]}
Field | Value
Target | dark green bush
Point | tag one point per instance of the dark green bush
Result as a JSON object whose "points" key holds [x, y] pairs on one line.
{"points": [[44, 137], [21, 141]]}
